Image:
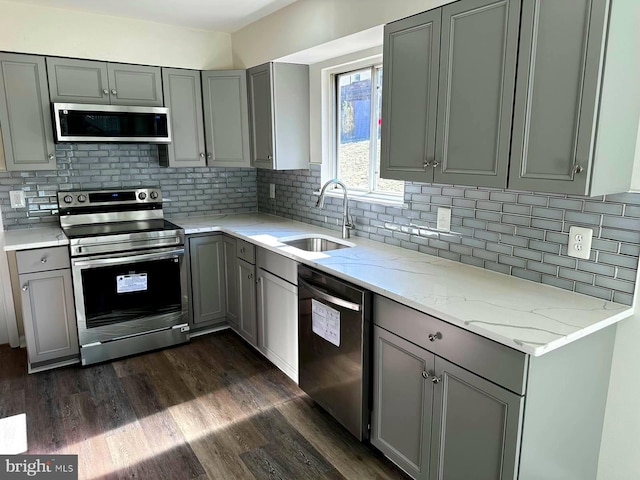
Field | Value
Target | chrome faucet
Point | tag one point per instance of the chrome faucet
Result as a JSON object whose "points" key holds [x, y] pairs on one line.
{"points": [[347, 222]]}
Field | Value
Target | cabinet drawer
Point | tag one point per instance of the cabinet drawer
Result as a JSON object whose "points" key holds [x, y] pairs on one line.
{"points": [[246, 251], [42, 259], [279, 265], [498, 363]]}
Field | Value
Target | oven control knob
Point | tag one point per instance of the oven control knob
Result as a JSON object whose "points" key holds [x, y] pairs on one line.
{"points": [[142, 195], [82, 198], [154, 195], [68, 199]]}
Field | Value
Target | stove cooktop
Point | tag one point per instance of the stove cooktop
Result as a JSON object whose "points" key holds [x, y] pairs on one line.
{"points": [[119, 228]]}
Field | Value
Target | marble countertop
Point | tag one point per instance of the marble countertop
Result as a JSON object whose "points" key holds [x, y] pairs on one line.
{"points": [[32, 238], [524, 315], [527, 316]]}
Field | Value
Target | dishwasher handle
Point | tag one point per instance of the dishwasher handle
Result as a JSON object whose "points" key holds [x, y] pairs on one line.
{"points": [[327, 297]]}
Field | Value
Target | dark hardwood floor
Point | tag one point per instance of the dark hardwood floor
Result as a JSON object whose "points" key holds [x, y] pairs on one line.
{"points": [[213, 408]]}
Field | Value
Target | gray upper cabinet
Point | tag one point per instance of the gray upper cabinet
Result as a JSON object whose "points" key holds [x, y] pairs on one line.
{"points": [[226, 118], [279, 116], [576, 115], [410, 95], [476, 426], [183, 96], [25, 118], [88, 81], [448, 94], [475, 101], [78, 81]]}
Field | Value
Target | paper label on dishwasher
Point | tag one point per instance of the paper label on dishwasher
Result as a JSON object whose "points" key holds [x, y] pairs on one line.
{"points": [[325, 322], [136, 282]]}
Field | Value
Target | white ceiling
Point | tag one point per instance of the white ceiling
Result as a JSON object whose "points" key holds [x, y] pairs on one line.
{"points": [[219, 15]]}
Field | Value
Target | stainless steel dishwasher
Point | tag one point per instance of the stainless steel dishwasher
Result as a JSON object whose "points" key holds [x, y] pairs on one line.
{"points": [[334, 331]]}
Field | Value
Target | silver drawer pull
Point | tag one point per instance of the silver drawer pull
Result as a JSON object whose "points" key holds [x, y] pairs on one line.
{"points": [[250, 276], [105, 92], [435, 336], [319, 293], [425, 374], [114, 91], [436, 380], [25, 287], [43, 260], [578, 169]]}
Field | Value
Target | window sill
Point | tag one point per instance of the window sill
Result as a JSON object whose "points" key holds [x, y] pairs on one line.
{"points": [[367, 197]]}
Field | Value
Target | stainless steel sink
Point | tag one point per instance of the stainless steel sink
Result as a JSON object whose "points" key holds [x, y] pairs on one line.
{"points": [[316, 244]]}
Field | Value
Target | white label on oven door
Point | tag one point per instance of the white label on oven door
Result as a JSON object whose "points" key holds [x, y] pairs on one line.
{"points": [[325, 322], [136, 282]]}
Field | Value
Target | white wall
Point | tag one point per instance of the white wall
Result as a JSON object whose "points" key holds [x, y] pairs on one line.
{"points": [[67, 33], [308, 23]]}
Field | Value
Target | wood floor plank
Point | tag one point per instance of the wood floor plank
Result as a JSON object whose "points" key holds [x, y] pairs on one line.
{"points": [[213, 408]]}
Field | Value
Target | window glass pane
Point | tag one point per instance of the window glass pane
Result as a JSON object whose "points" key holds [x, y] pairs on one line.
{"points": [[354, 129], [382, 185]]}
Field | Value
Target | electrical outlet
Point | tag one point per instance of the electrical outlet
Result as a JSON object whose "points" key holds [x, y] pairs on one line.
{"points": [[272, 190], [579, 242], [17, 199], [444, 219]]}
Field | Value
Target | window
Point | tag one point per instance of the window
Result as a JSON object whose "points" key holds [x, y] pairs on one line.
{"points": [[358, 97]]}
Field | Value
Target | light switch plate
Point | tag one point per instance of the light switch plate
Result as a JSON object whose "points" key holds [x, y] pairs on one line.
{"points": [[444, 219], [17, 199], [580, 242]]}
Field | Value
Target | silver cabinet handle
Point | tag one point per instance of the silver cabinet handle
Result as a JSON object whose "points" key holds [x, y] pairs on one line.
{"points": [[51, 156], [113, 91], [436, 380], [43, 260], [427, 164], [435, 163], [202, 155], [242, 250], [578, 169], [435, 336], [269, 157], [330, 298], [209, 156], [250, 276], [425, 374], [25, 288], [105, 92]]}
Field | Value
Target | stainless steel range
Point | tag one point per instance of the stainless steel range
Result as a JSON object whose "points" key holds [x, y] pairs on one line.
{"points": [[129, 274]]}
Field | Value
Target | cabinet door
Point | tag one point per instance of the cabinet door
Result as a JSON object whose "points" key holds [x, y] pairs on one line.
{"points": [[231, 280], [25, 113], [260, 116], [78, 81], [207, 279], [402, 402], [409, 97], [476, 427], [556, 95], [135, 85], [226, 118], [475, 98], [247, 320], [183, 96], [49, 315], [278, 322]]}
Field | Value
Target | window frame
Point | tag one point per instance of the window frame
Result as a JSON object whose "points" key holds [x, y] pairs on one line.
{"points": [[330, 136]]}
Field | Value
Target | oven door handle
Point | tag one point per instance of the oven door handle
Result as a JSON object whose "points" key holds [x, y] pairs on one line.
{"points": [[128, 258], [330, 298]]}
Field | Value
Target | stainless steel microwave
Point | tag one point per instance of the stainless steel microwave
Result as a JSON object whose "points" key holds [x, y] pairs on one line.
{"points": [[77, 122]]}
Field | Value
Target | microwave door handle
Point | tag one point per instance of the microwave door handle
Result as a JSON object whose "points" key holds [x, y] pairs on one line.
{"points": [[330, 298], [127, 258]]}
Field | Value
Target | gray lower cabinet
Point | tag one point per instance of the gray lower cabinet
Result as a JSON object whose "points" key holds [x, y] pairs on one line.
{"points": [[576, 115], [451, 405], [247, 301], [231, 280], [448, 93], [25, 117], [89, 81], [206, 262], [183, 96], [226, 117], [279, 116]]}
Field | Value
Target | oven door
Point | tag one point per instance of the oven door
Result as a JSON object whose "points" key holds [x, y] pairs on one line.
{"points": [[120, 295]]}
